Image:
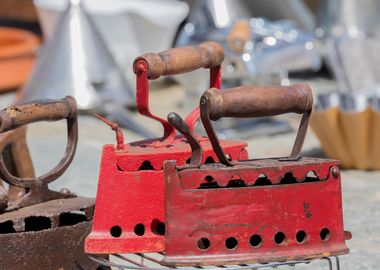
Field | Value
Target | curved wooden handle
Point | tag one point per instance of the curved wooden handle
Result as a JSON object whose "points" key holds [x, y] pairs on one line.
{"points": [[239, 35], [50, 110], [256, 101], [182, 59], [47, 110]]}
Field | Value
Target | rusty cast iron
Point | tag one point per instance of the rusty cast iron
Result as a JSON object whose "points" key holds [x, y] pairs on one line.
{"points": [[19, 115], [253, 211], [129, 212], [47, 236], [40, 228], [16, 157]]}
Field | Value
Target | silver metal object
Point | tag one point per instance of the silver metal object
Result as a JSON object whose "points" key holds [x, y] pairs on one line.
{"points": [[350, 31], [152, 261], [76, 62], [274, 48], [208, 15], [348, 101]]}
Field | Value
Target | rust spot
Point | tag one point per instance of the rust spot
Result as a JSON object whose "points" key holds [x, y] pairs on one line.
{"points": [[306, 210], [12, 111], [326, 254]]}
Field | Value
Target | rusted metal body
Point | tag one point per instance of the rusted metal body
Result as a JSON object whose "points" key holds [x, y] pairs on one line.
{"points": [[47, 236], [19, 115], [17, 159], [129, 212], [40, 228], [232, 216], [253, 211]]}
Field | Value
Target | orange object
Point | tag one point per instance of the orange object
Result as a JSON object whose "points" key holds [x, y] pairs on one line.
{"points": [[240, 34], [17, 52]]}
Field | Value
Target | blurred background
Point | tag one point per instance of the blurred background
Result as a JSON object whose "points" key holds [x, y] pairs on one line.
{"points": [[54, 48]]}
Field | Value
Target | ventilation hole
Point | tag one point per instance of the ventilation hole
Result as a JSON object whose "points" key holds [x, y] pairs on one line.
{"points": [[188, 161], [7, 227], [209, 160], [158, 227], [33, 224], [208, 185], [279, 238], [288, 179], [236, 183], [203, 244], [116, 231], [231, 243], [301, 237], [311, 179], [311, 174], [263, 181], [209, 178], [139, 229], [255, 240], [146, 165], [69, 219], [325, 234]]}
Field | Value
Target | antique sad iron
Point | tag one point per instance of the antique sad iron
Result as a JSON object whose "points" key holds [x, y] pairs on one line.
{"points": [[40, 228], [273, 210], [129, 213]]}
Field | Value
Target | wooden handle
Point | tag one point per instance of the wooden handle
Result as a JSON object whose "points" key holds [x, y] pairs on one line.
{"points": [[255, 101], [51, 110], [183, 59], [239, 35]]}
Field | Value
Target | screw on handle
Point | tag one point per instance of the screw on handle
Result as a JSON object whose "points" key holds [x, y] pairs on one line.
{"points": [[256, 101], [182, 59]]}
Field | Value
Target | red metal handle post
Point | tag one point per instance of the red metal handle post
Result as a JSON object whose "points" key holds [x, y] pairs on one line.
{"points": [[175, 61]]}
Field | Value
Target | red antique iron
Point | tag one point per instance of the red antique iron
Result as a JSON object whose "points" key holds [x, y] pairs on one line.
{"points": [[129, 212], [252, 211]]}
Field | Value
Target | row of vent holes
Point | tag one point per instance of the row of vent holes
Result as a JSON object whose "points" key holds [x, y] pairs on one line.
{"points": [[256, 241], [157, 227], [39, 223], [146, 165], [209, 160], [262, 180]]}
